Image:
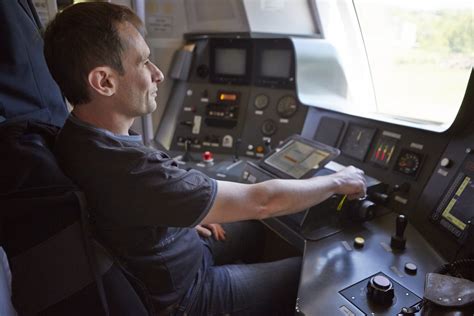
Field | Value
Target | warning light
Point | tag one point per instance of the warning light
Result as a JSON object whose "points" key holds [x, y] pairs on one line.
{"points": [[227, 97]]}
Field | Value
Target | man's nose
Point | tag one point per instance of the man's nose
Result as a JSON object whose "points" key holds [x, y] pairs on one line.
{"points": [[157, 74]]}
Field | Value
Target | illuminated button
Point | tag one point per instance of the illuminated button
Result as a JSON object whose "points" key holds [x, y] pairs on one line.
{"points": [[207, 156], [359, 242], [411, 268], [250, 147], [260, 149]]}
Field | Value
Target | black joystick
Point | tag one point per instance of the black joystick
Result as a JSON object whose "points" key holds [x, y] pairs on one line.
{"points": [[187, 155], [398, 241], [267, 145], [236, 149]]}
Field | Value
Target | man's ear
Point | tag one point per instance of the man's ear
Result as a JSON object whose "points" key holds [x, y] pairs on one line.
{"points": [[103, 80]]}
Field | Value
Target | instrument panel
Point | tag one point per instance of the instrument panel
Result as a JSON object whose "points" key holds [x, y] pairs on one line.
{"points": [[237, 105], [238, 99]]}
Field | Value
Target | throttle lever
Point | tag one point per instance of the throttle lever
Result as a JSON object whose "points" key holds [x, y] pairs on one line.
{"points": [[398, 240]]}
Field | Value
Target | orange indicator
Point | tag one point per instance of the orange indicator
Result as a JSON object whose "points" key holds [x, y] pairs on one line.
{"points": [[227, 96]]}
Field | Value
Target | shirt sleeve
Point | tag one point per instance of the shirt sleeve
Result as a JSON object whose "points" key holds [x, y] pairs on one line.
{"points": [[154, 191]]}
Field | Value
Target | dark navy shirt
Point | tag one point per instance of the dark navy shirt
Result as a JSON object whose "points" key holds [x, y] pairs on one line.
{"points": [[141, 204]]}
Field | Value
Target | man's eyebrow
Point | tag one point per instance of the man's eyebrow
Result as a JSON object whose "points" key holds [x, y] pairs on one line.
{"points": [[143, 57]]}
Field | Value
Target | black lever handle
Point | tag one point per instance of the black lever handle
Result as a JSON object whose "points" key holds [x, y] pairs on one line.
{"points": [[398, 241], [238, 141], [401, 225]]}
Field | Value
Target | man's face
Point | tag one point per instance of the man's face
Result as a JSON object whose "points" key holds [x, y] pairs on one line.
{"points": [[137, 89]]}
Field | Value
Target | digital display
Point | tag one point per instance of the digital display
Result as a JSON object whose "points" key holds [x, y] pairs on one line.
{"points": [[276, 63], [460, 208], [297, 158], [230, 61]]}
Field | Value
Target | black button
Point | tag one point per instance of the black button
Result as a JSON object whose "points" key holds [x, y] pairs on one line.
{"points": [[411, 268]]}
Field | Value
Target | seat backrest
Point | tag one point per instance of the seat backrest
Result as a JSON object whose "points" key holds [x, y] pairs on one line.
{"points": [[6, 307], [40, 230], [27, 89], [40, 215]]}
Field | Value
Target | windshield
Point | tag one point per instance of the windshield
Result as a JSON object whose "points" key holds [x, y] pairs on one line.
{"points": [[420, 55]]}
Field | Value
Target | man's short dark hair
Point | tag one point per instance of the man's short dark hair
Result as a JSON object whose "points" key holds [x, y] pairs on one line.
{"points": [[84, 36]]}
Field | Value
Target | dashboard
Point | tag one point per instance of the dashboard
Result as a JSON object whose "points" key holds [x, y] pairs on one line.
{"points": [[234, 102]]}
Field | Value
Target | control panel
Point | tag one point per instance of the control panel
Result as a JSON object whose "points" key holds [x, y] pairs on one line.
{"points": [[238, 99], [236, 106]]}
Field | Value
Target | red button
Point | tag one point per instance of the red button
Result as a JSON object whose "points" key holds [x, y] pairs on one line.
{"points": [[207, 156]]}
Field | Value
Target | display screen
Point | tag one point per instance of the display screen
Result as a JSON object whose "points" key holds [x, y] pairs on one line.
{"points": [[297, 158], [276, 63], [460, 208], [230, 61]]}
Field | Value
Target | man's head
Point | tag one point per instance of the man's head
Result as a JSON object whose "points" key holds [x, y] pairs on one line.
{"points": [[97, 50]]}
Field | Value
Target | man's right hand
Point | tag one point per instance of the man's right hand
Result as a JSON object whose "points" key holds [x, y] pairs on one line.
{"points": [[351, 182]]}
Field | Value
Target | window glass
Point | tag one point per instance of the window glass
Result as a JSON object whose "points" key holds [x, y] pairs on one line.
{"points": [[420, 55]]}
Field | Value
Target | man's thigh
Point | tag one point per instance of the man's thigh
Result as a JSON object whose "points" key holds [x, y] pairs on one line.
{"points": [[250, 289]]}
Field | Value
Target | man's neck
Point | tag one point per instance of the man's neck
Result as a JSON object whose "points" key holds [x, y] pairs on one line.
{"points": [[96, 116]]}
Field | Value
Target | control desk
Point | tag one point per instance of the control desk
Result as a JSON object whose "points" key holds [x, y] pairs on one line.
{"points": [[366, 257]]}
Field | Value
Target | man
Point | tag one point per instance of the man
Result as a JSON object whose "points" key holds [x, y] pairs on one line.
{"points": [[142, 205]]}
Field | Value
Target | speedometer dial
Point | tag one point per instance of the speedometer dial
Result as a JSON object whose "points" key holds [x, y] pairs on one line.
{"points": [[409, 162]]}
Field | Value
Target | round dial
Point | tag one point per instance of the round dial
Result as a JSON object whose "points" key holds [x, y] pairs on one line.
{"points": [[408, 163], [268, 128], [287, 106], [261, 102]]}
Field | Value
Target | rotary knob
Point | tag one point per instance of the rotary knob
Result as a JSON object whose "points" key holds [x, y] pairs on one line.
{"points": [[380, 290]]}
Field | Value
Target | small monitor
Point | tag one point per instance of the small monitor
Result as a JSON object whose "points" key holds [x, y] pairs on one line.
{"points": [[276, 63], [459, 211], [298, 158], [230, 61]]}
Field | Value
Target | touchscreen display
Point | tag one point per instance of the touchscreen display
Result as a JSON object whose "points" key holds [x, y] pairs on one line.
{"points": [[297, 158], [230, 61], [276, 63], [460, 208]]}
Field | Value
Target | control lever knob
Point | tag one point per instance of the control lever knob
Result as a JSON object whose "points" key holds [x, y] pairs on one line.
{"points": [[267, 145], [187, 155], [398, 241], [380, 290], [236, 149], [366, 210]]}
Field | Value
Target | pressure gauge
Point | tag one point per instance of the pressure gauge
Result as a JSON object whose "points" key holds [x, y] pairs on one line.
{"points": [[261, 102], [287, 106]]}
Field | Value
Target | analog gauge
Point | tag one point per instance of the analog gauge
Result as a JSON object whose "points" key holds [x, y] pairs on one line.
{"points": [[269, 128], [357, 141], [261, 102], [409, 162], [287, 106]]}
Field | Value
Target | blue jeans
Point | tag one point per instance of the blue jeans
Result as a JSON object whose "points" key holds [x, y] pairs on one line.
{"points": [[224, 288]]}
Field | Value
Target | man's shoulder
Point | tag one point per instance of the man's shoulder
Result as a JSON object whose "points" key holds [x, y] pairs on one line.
{"points": [[74, 134]]}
